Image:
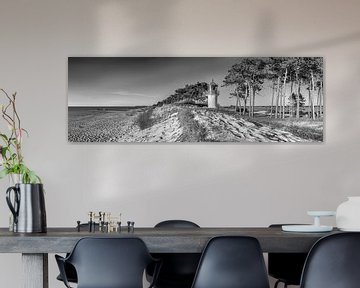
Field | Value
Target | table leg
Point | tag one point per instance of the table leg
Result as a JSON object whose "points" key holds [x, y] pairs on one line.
{"points": [[35, 270]]}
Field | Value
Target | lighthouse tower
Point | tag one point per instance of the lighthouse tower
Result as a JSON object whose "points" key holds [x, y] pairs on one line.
{"points": [[212, 95]]}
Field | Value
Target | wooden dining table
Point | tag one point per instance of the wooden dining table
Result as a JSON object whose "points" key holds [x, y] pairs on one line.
{"points": [[35, 247]]}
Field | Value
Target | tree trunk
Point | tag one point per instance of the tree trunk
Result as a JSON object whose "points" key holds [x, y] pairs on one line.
{"points": [[298, 98], [283, 94], [249, 95], [320, 110], [277, 97], [240, 105], [312, 93], [318, 103], [272, 99], [251, 101], [245, 100], [321, 99], [253, 106], [310, 104], [290, 97], [283, 102]]}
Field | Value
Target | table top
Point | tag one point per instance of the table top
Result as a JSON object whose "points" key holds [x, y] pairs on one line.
{"points": [[158, 240]]}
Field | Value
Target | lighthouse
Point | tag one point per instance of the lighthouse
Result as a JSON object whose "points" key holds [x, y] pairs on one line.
{"points": [[212, 95]]}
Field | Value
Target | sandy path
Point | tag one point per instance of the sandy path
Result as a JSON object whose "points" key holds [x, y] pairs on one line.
{"points": [[226, 128]]}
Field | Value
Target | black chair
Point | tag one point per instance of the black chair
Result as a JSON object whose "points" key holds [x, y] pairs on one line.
{"points": [[178, 269], [69, 269], [286, 267], [176, 224], [333, 262], [232, 262], [70, 273], [108, 263]]}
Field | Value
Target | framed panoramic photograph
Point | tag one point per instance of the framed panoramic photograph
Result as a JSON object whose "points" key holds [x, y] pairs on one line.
{"points": [[195, 99]]}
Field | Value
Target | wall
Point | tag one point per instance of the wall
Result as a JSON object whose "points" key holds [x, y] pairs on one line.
{"points": [[214, 185]]}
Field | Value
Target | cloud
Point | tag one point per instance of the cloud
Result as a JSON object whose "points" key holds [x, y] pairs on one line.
{"points": [[125, 93]]}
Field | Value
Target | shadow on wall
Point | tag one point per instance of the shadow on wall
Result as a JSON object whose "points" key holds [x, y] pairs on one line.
{"points": [[324, 43], [265, 43], [133, 27]]}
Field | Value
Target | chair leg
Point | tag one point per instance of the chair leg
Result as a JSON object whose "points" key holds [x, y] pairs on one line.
{"points": [[279, 281]]}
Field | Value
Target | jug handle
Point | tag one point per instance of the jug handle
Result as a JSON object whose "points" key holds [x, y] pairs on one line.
{"points": [[13, 208]]}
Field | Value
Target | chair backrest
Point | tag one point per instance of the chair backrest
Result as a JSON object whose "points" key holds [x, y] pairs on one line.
{"points": [[232, 261], [286, 267], [110, 262], [333, 262], [178, 269], [176, 224]]}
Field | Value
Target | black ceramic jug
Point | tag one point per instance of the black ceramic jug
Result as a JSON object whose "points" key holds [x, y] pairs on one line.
{"points": [[28, 208]]}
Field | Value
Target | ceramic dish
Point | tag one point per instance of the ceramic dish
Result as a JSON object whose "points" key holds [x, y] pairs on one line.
{"points": [[306, 228]]}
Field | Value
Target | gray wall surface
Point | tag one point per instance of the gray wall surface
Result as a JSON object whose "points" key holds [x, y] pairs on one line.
{"points": [[211, 184]]}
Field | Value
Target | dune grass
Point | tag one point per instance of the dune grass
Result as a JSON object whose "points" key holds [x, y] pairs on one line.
{"points": [[193, 131], [145, 120]]}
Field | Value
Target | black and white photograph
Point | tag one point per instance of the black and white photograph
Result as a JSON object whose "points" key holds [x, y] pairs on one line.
{"points": [[195, 99]]}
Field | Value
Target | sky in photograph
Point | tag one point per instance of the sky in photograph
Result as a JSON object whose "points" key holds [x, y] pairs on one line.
{"points": [[137, 81]]}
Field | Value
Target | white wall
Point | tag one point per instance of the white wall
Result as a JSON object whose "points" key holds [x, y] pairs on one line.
{"points": [[212, 184]]}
